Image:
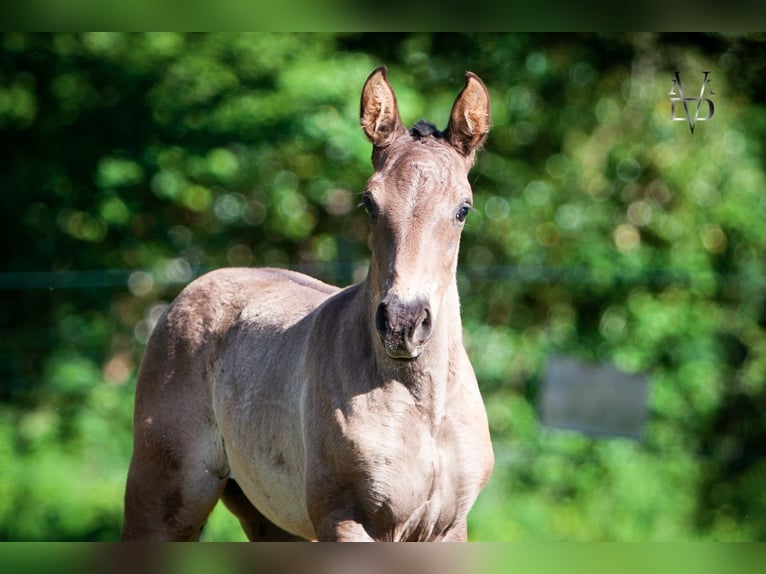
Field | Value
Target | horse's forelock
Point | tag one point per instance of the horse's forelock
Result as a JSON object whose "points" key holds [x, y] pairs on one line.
{"points": [[423, 129]]}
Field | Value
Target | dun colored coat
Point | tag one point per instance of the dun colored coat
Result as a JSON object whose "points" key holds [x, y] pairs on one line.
{"points": [[323, 413]]}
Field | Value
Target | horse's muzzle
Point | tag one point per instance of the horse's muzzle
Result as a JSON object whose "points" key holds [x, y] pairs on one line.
{"points": [[404, 327]]}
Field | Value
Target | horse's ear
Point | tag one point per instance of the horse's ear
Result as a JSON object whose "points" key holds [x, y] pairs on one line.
{"points": [[379, 113], [469, 120]]}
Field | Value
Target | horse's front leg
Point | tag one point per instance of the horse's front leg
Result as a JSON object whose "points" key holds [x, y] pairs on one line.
{"points": [[337, 527], [335, 514], [459, 532]]}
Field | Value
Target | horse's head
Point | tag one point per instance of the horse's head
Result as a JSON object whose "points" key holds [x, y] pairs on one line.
{"points": [[418, 200]]}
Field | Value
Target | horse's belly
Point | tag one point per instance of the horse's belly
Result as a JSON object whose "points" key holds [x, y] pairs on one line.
{"points": [[259, 418], [277, 493]]}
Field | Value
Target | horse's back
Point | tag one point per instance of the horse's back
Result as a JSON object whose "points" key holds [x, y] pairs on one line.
{"points": [[277, 296], [213, 305]]}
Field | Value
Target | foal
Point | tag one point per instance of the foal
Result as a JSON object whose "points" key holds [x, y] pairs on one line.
{"points": [[323, 413]]}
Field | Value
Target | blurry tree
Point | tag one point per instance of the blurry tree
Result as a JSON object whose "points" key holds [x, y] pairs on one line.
{"points": [[130, 163]]}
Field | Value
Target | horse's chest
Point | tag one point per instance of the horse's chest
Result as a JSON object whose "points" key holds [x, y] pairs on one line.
{"points": [[411, 484]]}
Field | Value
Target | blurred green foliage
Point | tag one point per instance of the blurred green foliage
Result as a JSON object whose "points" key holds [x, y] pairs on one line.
{"points": [[130, 163]]}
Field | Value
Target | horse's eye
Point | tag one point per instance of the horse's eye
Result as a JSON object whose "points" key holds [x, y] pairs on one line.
{"points": [[462, 213], [369, 205]]}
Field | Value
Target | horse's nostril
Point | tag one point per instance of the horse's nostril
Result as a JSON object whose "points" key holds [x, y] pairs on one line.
{"points": [[381, 319], [422, 330], [426, 318], [404, 327]]}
